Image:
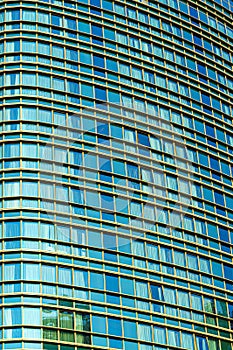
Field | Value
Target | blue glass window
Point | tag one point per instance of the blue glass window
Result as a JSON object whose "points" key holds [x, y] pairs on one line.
{"points": [[208, 195], [73, 87], [228, 272], [83, 27], [230, 308], [112, 283], [187, 35], [95, 3], [130, 330], [219, 199], [64, 275], [107, 202], [109, 241], [12, 229], [12, 316], [193, 12], [143, 139], [99, 324], [112, 64], [116, 131], [48, 273], [201, 68], [210, 130], [202, 343], [217, 268], [214, 163], [197, 40], [13, 46], [80, 277], [96, 280], [109, 34], [102, 128], [100, 94], [133, 171], [56, 20], [156, 292], [12, 15], [87, 90], [71, 55], [98, 61], [12, 271], [149, 77], [97, 30], [71, 23], [127, 286], [223, 235], [119, 167], [105, 164], [160, 335], [114, 326], [205, 99]]}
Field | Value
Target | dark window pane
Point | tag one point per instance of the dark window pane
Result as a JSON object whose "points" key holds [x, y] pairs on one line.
{"points": [[100, 94], [98, 61], [97, 30], [143, 139]]}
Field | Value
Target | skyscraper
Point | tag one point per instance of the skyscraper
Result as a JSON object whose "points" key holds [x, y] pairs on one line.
{"points": [[116, 174]]}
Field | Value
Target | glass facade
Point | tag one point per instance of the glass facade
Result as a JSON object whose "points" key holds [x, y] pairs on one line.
{"points": [[116, 174]]}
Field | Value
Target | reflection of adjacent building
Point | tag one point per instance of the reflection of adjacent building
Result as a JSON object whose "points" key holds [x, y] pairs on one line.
{"points": [[116, 175]]}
